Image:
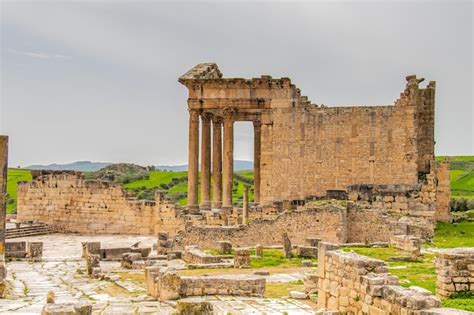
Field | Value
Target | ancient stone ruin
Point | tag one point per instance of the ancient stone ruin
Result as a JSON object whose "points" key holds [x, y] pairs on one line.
{"points": [[353, 176], [3, 192]]}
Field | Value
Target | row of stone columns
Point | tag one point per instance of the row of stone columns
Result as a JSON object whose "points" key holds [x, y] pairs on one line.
{"points": [[222, 160]]}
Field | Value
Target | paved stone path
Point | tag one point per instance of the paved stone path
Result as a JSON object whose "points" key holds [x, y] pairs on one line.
{"points": [[62, 271]]}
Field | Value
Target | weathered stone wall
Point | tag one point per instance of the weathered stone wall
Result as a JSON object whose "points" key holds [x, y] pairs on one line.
{"points": [[429, 198], [72, 204], [367, 225], [3, 192], [166, 284], [326, 222], [455, 271], [408, 243], [355, 284], [341, 146]]}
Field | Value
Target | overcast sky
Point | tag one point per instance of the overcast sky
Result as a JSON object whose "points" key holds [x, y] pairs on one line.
{"points": [[98, 80]]}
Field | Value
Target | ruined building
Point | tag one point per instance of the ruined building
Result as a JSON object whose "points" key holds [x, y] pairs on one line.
{"points": [[379, 157], [304, 151]]}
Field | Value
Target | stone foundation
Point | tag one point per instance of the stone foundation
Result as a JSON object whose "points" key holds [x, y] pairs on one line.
{"points": [[408, 243], [165, 284], [455, 271], [355, 284]]}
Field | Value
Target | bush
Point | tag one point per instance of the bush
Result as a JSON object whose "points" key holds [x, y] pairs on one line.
{"points": [[461, 204]]}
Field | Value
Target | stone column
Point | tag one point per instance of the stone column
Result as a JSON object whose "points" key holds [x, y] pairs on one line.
{"points": [[3, 192], [245, 208], [206, 162], [193, 160], [228, 161], [257, 132], [217, 162]]}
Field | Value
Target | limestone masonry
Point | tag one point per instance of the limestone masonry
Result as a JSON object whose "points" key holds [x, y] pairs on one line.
{"points": [[379, 158], [303, 150]]}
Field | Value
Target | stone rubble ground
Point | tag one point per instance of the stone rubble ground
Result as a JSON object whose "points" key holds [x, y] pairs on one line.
{"points": [[62, 272]]}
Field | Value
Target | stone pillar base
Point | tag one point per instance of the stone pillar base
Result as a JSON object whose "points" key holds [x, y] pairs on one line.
{"points": [[205, 205], [217, 205], [193, 209]]}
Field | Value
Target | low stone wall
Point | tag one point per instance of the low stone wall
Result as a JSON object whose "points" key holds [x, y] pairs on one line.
{"points": [[408, 243], [355, 284], [327, 222], [193, 255], [166, 284], [22, 249], [455, 271]]}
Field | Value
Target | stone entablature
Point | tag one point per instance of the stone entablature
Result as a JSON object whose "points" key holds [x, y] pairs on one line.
{"points": [[455, 271]]}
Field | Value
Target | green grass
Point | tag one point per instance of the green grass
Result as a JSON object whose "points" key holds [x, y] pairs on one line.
{"points": [[15, 175], [454, 235], [156, 179], [418, 273], [275, 258], [423, 273], [462, 175], [270, 258]]}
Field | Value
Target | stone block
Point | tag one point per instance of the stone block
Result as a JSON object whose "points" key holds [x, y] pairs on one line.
{"points": [[225, 247]]}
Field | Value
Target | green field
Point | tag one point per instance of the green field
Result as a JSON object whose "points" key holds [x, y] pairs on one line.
{"points": [[14, 176], [462, 175], [163, 180], [174, 184]]}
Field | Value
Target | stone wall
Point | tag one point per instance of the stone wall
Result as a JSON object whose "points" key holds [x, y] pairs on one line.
{"points": [[166, 284], [355, 284], [429, 198], [325, 222], [3, 192], [72, 204], [341, 146], [455, 271], [408, 243]]}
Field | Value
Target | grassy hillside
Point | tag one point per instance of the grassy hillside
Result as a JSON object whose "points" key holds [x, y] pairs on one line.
{"points": [[462, 176], [175, 185], [14, 176]]}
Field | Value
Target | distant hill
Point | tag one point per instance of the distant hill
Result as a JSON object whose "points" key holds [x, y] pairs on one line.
{"points": [[239, 165], [88, 166], [81, 166]]}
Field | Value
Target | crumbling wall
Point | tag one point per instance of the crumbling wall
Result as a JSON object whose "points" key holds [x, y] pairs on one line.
{"points": [[340, 146], [356, 284], [326, 222], [166, 284], [367, 225], [455, 271], [429, 198], [72, 204], [3, 192]]}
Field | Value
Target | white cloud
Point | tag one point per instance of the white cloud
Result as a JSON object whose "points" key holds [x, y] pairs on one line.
{"points": [[39, 55]]}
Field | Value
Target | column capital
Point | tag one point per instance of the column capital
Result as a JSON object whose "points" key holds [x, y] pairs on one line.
{"points": [[257, 124], [206, 116], [194, 113], [229, 113], [217, 119]]}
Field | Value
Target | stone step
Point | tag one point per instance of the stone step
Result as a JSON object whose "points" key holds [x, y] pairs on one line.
{"points": [[29, 230]]}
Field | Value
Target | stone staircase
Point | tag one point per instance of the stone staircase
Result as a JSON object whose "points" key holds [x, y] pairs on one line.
{"points": [[24, 230]]}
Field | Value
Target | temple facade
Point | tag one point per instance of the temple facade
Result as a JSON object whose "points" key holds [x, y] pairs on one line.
{"points": [[302, 150]]}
